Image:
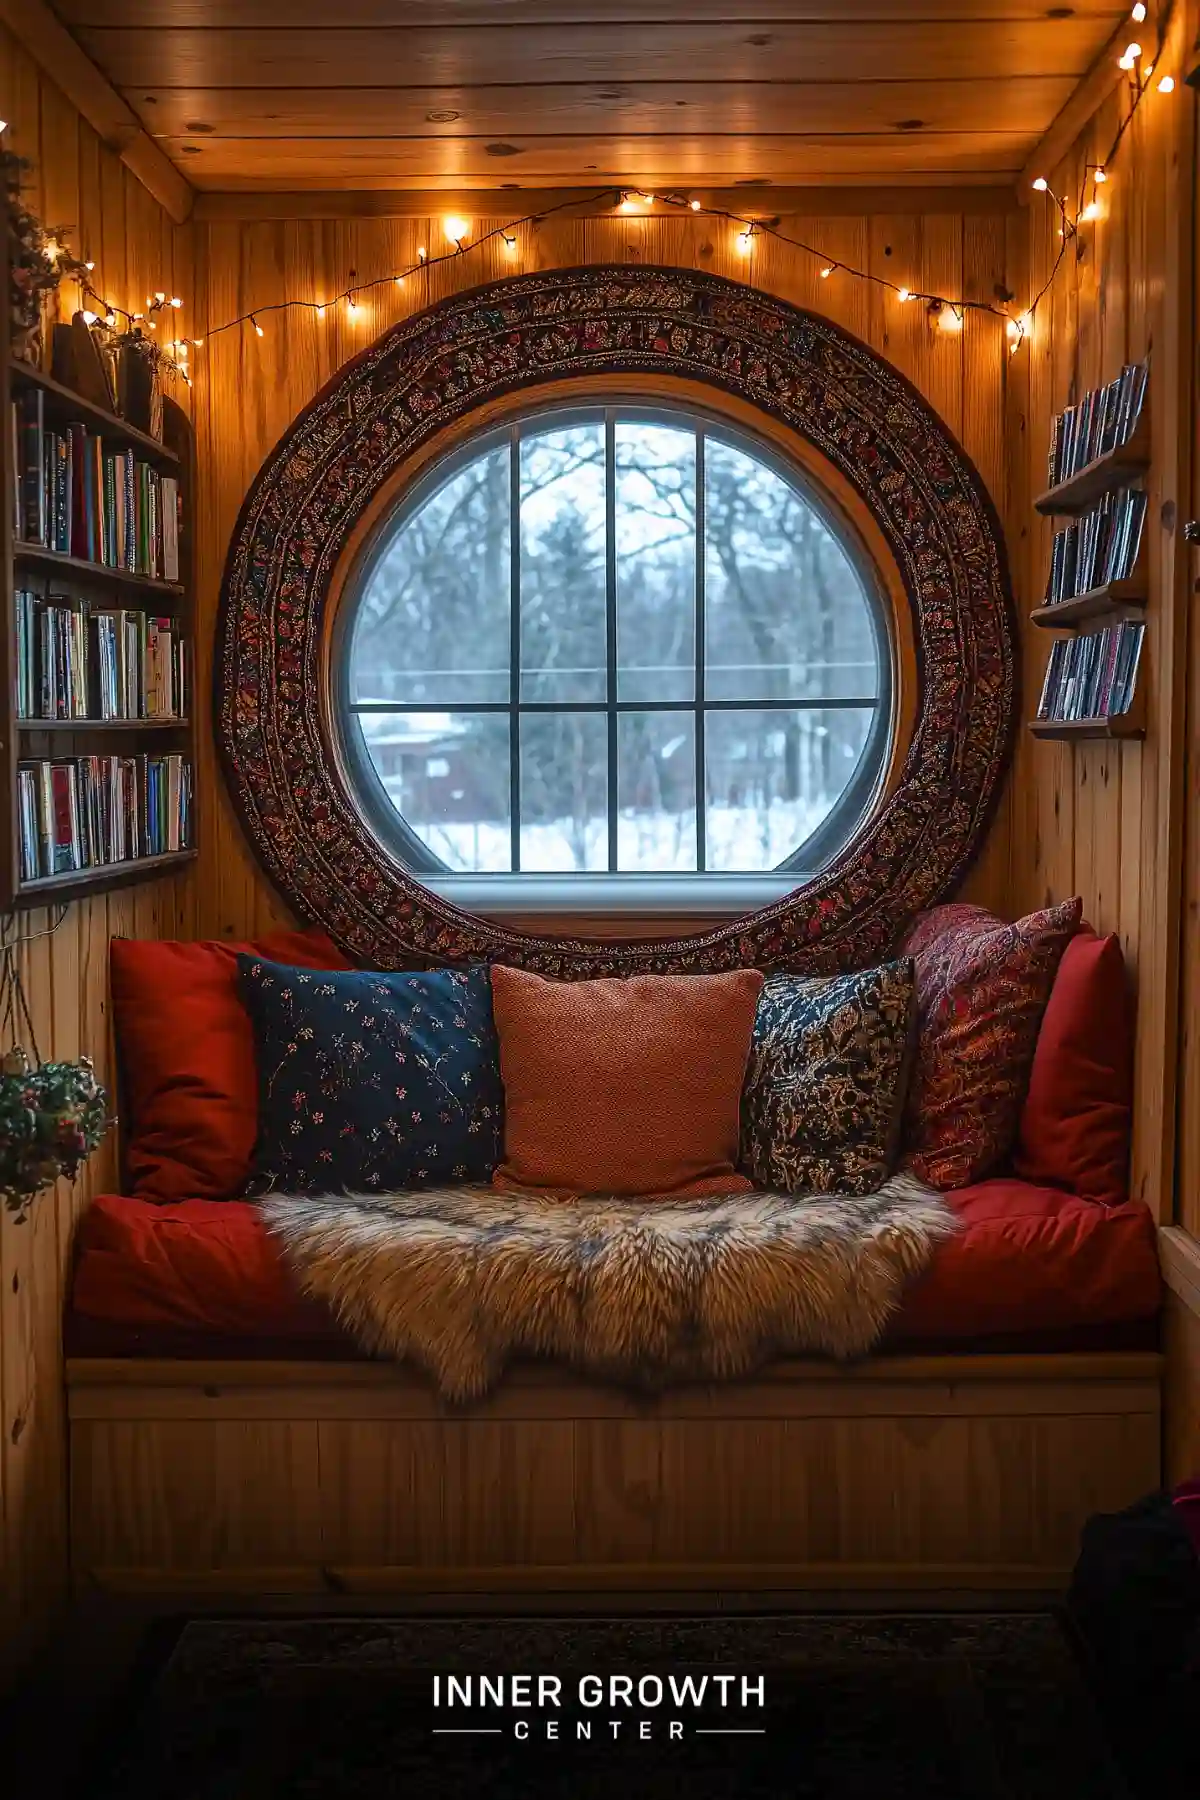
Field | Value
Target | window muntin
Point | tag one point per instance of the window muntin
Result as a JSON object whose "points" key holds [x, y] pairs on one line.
{"points": [[520, 689]]}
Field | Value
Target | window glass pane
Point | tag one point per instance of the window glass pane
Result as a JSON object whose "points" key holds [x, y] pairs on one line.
{"points": [[656, 791], [434, 620], [656, 561], [446, 774], [772, 777], [563, 634], [564, 791], [786, 615]]}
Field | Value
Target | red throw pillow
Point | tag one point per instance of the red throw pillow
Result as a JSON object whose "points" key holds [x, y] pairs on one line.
{"points": [[186, 1047], [982, 987], [627, 1086], [1077, 1118]]}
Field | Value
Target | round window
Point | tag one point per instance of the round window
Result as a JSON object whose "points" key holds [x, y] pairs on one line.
{"points": [[615, 639]]}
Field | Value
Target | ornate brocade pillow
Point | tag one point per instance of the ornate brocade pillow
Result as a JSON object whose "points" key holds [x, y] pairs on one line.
{"points": [[982, 988], [371, 1082], [824, 1091]]}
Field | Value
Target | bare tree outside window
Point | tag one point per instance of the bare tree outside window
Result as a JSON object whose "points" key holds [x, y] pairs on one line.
{"points": [[616, 640]]}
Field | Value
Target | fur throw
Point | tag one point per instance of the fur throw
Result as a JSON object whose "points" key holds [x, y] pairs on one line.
{"points": [[460, 1280]]}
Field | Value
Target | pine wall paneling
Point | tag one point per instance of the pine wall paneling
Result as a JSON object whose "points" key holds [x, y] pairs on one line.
{"points": [[248, 389], [1105, 819], [77, 182]]}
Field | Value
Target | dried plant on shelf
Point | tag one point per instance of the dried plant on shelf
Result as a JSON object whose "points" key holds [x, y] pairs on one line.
{"points": [[38, 261]]}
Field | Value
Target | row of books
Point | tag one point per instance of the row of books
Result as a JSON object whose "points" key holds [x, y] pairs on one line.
{"points": [[84, 812], [79, 661], [1101, 421], [1099, 547], [73, 495], [1094, 675]]}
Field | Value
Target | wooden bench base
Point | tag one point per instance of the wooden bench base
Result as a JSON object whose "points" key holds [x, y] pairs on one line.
{"points": [[946, 1475]]}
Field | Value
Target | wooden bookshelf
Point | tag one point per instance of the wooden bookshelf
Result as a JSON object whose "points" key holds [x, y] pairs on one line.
{"points": [[29, 566], [1115, 599], [1116, 468]]}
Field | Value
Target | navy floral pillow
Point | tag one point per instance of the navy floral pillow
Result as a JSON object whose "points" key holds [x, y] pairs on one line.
{"points": [[824, 1092], [373, 1083]]}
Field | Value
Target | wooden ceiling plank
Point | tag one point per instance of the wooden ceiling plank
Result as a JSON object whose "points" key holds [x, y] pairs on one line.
{"points": [[481, 205], [287, 14], [664, 109], [306, 58], [55, 50], [647, 162]]}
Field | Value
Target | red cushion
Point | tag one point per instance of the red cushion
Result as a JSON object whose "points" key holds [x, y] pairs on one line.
{"points": [[186, 1047], [1035, 1259], [1029, 1259], [1076, 1122], [982, 987]]}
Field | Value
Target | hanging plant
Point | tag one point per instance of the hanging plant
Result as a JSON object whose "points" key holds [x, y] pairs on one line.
{"points": [[52, 1115], [38, 261]]}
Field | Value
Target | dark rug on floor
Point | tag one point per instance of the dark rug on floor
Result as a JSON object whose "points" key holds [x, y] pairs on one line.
{"points": [[949, 1707]]}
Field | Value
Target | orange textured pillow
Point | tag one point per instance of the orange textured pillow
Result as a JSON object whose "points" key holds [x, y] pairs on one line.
{"points": [[186, 1046], [623, 1087]]}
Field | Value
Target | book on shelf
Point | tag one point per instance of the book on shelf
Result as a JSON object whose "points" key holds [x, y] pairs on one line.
{"points": [[1094, 675], [88, 812], [74, 495], [1100, 546], [78, 660], [1103, 420]]}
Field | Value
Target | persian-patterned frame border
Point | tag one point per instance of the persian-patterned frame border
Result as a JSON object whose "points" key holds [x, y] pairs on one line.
{"points": [[431, 371]]}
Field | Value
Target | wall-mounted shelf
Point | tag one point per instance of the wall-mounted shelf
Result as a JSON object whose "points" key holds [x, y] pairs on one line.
{"points": [[1114, 599], [74, 882], [1116, 468], [56, 562], [1125, 725], [87, 725]]}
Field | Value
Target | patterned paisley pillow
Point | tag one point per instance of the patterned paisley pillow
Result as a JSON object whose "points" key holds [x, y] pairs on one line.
{"points": [[824, 1090], [372, 1082], [982, 988]]}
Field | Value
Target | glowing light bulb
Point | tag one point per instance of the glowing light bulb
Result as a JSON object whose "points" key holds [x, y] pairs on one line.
{"points": [[320, 312], [110, 319], [161, 297], [1138, 13], [1091, 211], [1167, 85], [949, 318], [827, 272], [399, 281], [89, 318], [1041, 184], [510, 245], [176, 302], [455, 228], [649, 199], [258, 328], [422, 253], [137, 315], [52, 250], [197, 342], [1099, 177], [3, 124], [904, 294], [695, 205], [625, 205], [351, 306], [744, 242], [89, 266], [1132, 52]]}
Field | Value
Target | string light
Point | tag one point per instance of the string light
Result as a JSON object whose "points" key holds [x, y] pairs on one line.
{"points": [[695, 205], [625, 204], [161, 297], [110, 319], [422, 253], [1099, 176], [1091, 211], [1167, 85], [52, 250], [1041, 185], [903, 293], [199, 341], [1132, 52], [456, 229], [320, 312], [351, 305], [176, 302], [89, 266], [90, 318], [3, 124], [947, 316], [1138, 13], [258, 328], [827, 271], [744, 242]]}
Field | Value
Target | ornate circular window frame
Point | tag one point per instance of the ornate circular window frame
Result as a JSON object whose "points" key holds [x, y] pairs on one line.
{"points": [[852, 421]]}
